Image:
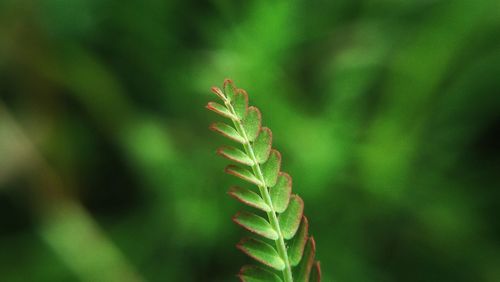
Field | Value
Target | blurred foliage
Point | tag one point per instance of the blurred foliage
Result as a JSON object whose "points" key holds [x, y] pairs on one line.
{"points": [[108, 171]]}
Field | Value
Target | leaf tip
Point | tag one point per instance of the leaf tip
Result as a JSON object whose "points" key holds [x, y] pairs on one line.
{"points": [[234, 218], [241, 273], [287, 176], [306, 222], [254, 108], [313, 244], [232, 170], [278, 154], [245, 96], [242, 91], [317, 268], [240, 244], [217, 91], [220, 151], [232, 192], [228, 81], [213, 126], [299, 199]]}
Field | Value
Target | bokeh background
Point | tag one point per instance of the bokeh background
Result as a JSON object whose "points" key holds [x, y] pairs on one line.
{"points": [[387, 114]]}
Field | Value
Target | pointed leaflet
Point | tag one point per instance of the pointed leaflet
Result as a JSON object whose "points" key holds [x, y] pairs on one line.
{"points": [[290, 219], [250, 273], [261, 252], [262, 145], [227, 131], [296, 249], [271, 168], [255, 224], [234, 154], [251, 123], [280, 193], [243, 173], [229, 89], [316, 272], [248, 197], [218, 92], [304, 269], [220, 109], [240, 103]]}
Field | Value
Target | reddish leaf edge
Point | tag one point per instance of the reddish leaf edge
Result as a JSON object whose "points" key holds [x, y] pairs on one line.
{"points": [[301, 203], [278, 156], [240, 247], [270, 143], [313, 245], [317, 267], [210, 106], [244, 268], [232, 193], [289, 186], [214, 128], [235, 220], [242, 271], [311, 256], [229, 82], [240, 91], [221, 153], [259, 116], [230, 170], [217, 91], [304, 241]]}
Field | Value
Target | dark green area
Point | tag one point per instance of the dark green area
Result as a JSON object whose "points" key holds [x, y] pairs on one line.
{"points": [[387, 114]]}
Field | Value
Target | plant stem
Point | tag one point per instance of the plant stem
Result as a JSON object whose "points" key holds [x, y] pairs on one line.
{"points": [[264, 192]]}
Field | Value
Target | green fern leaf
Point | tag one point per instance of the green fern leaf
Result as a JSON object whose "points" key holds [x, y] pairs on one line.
{"points": [[240, 103], [280, 193], [229, 89], [261, 252], [227, 131], [285, 220], [219, 93], [250, 273], [316, 272], [305, 266], [296, 249], [243, 173], [249, 198], [271, 168], [262, 145], [290, 219], [220, 109], [236, 155], [255, 224], [252, 123]]}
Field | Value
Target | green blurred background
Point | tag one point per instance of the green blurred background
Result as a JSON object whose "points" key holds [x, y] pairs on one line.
{"points": [[387, 114]]}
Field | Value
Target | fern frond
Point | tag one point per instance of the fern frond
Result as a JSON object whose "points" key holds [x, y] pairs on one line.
{"points": [[293, 253]]}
